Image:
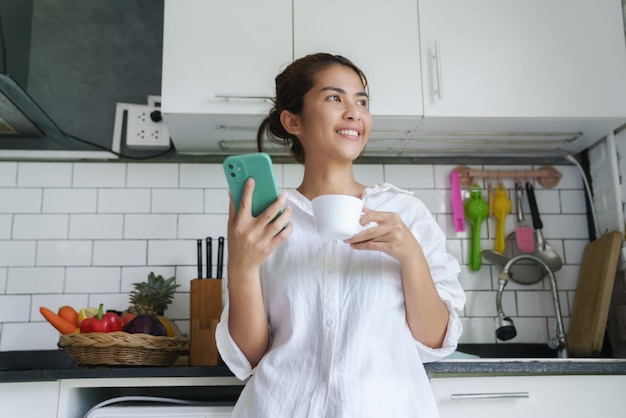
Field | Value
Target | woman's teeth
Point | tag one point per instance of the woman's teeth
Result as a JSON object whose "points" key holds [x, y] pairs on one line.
{"points": [[348, 132]]}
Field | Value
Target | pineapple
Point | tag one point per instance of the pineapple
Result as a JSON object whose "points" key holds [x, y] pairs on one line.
{"points": [[153, 296]]}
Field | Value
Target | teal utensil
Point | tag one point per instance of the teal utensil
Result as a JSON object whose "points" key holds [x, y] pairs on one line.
{"points": [[476, 211]]}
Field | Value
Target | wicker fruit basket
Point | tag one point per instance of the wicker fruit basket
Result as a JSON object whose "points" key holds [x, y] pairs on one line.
{"points": [[122, 349]]}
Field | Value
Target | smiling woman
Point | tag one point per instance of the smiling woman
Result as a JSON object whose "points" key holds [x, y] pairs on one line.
{"points": [[292, 85], [335, 121], [302, 309]]}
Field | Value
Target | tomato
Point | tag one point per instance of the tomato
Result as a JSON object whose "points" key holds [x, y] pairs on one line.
{"points": [[127, 318]]}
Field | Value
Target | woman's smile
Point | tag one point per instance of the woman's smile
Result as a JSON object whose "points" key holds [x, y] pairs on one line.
{"points": [[349, 133]]}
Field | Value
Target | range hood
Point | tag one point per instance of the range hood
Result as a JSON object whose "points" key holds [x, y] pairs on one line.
{"points": [[26, 131], [226, 134]]}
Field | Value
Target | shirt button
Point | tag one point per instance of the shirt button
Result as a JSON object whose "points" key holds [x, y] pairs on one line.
{"points": [[330, 323], [331, 272]]}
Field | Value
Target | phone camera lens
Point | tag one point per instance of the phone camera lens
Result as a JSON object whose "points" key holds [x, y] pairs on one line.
{"points": [[231, 166], [233, 174]]}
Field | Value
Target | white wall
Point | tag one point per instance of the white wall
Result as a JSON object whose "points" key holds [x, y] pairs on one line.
{"points": [[80, 234]]}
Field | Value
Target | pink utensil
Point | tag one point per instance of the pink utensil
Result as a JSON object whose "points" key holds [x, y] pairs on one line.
{"points": [[457, 203], [524, 234]]}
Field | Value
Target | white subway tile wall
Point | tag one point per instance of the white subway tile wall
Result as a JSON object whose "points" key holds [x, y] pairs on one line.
{"points": [[81, 234]]}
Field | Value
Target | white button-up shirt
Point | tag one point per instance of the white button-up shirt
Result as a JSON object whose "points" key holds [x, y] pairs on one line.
{"points": [[340, 345]]}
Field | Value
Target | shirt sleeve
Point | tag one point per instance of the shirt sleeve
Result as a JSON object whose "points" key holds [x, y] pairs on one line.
{"points": [[444, 269], [232, 356], [450, 342]]}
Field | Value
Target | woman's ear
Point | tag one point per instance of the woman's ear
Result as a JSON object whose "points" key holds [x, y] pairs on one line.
{"points": [[290, 122]]}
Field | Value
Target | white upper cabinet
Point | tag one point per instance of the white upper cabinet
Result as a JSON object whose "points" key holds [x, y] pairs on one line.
{"points": [[380, 37], [523, 58], [534, 73], [232, 48], [445, 76], [219, 64]]}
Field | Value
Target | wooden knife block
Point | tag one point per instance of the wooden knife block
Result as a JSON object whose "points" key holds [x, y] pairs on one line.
{"points": [[205, 310]]}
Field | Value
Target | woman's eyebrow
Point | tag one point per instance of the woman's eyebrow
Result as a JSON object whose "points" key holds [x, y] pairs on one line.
{"points": [[342, 91]]}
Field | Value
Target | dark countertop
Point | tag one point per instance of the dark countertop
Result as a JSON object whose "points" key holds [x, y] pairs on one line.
{"points": [[56, 365], [46, 365], [111, 372], [530, 366]]}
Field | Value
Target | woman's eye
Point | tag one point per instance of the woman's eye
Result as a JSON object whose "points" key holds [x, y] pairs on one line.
{"points": [[334, 98], [362, 102]]}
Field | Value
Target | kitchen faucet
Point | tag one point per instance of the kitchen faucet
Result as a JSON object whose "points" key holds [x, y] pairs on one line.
{"points": [[506, 329]]}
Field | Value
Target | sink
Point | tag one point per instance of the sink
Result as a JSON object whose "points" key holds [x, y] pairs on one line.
{"points": [[504, 350], [459, 355], [517, 352]]}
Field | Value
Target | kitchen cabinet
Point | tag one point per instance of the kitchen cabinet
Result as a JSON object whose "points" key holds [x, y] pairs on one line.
{"points": [[78, 396], [523, 58], [218, 76], [574, 396], [523, 65], [383, 42], [220, 61], [446, 76], [29, 399]]}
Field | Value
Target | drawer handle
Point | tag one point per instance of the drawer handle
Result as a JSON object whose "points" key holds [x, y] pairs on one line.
{"points": [[496, 395], [439, 71], [242, 96]]}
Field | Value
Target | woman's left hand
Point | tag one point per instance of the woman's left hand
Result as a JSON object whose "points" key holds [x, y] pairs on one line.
{"points": [[390, 236]]}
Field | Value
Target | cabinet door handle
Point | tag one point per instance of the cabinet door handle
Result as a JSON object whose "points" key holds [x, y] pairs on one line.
{"points": [[495, 395], [439, 71], [242, 96]]}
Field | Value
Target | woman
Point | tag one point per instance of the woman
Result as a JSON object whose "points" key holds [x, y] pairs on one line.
{"points": [[335, 328]]}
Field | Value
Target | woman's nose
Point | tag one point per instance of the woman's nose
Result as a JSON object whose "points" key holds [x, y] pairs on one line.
{"points": [[353, 111]]}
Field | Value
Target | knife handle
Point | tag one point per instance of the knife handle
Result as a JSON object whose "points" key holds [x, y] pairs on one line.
{"points": [[209, 257], [199, 258], [532, 202], [220, 257]]}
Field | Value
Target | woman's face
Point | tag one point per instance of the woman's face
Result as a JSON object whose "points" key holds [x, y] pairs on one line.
{"points": [[335, 121]]}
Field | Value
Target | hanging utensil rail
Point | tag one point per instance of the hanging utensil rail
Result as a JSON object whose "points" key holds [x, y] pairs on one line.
{"points": [[547, 176]]}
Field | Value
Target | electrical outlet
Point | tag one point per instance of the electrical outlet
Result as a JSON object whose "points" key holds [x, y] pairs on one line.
{"points": [[144, 133]]}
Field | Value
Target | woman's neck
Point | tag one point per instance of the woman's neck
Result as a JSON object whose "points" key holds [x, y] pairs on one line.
{"points": [[329, 179]]}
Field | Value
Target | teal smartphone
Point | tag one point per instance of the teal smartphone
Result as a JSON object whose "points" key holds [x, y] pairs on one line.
{"points": [[258, 165]]}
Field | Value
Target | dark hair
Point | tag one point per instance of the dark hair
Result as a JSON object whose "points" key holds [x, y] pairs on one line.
{"points": [[291, 86]]}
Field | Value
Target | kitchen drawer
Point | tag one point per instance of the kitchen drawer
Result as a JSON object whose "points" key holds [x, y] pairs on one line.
{"points": [[530, 396], [29, 399], [162, 412]]}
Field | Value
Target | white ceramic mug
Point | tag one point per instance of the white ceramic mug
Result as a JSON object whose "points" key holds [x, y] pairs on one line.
{"points": [[337, 216]]}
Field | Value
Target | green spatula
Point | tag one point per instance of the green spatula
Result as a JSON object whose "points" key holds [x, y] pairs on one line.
{"points": [[476, 211]]}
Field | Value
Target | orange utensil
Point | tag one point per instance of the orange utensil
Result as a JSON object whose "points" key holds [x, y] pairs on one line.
{"points": [[501, 207]]}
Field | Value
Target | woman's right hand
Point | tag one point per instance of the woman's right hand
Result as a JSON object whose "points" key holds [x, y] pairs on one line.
{"points": [[251, 240]]}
